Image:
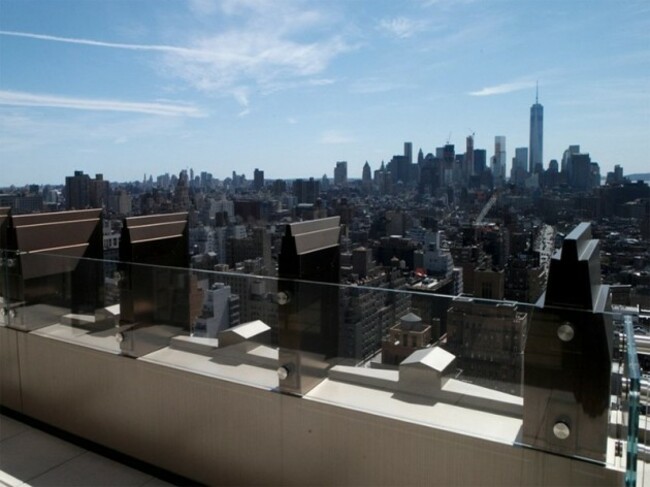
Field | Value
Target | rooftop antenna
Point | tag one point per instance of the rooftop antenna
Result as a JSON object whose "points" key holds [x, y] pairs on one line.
{"points": [[536, 92]]}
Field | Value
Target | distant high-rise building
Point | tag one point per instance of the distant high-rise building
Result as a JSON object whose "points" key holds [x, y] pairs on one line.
{"points": [[615, 177], [242, 247], [430, 174], [182, 192], [468, 166], [163, 181], [206, 180], [383, 179], [121, 202], [521, 158], [83, 192], [579, 171], [366, 176], [448, 158], [480, 160], [341, 173], [519, 171], [498, 162], [408, 152], [306, 191], [594, 175], [566, 157], [98, 192], [77, 191], [552, 174], [536, 135], [488, 341], [258, 180], [399, 169], [279, 187], [368, 314], [401, 166], [324, 183]]}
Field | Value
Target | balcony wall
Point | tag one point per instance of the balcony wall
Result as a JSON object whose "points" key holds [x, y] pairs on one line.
{"points": [[223, 433]]}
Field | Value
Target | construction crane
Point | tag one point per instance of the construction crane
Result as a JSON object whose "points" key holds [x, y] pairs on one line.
{"points": [[488, 206]]}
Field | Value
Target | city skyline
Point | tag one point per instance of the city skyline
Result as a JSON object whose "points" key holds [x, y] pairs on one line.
{"points": [[125, 89]]}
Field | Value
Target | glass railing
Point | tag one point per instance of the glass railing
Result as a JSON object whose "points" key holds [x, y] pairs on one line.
{"points": [[515, 373], [632, 376], [643, 440]]}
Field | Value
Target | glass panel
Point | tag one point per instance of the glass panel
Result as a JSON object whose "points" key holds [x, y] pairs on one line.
{"points": [[642, 438], [455, 363], [633, 376], [4, 287]]}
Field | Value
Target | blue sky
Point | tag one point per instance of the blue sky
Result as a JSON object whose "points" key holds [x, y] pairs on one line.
{"points": [[134, 87]]}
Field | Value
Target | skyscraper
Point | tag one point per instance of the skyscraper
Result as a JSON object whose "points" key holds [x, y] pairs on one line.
{"points": [[408, 152], [77, 191], [341, 173], [519, 171], [468, 166], [366, 177], [258, 180], [83, 192], [480, 160], [536, 134], [498, 162]]}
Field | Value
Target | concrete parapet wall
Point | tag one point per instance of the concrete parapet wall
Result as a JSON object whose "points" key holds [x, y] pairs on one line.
{"points": [[222, 433]]}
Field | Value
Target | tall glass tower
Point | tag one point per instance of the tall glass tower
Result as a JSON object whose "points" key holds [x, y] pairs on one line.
{"points": [[536, 134]]}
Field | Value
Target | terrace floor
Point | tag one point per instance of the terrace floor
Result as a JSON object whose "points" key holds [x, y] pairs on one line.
{"points": [[33, 454]]}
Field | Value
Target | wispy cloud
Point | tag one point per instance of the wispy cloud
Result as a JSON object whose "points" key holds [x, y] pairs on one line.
{"points": [[334, 137], [90, 42], [248, 57], [401, 27], [237, 52], [258, 53], [17, 98], [321, 81], [503, 88], [265, 49], [241, 95]]}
